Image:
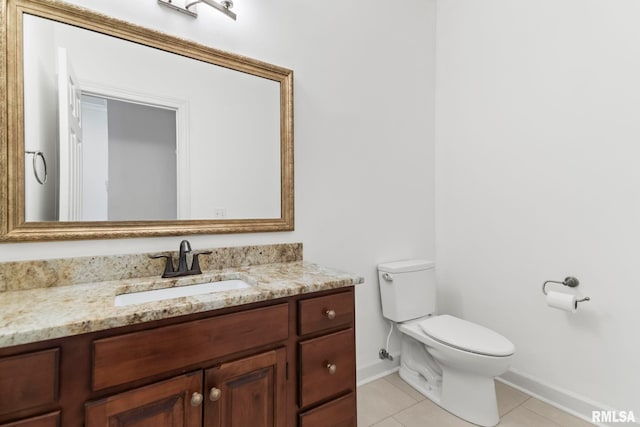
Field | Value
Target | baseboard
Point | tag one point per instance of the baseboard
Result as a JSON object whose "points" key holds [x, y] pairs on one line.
{"points": [[565, 400], [377, 369]]}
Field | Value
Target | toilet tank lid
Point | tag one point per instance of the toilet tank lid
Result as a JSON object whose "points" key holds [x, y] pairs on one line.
{"points": [[406, 266]]}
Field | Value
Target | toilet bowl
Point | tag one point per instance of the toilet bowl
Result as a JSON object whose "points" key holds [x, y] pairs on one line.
{"points": [[465, 386], [451, 361]]}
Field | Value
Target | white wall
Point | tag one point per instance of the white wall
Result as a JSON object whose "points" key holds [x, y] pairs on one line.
{"points": [[95, 159], [41, 129], [142, 162], [537, 178], [363, 132]]}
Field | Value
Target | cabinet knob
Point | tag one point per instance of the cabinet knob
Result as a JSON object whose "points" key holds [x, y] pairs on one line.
{"points": [[215, 394], [332, 368], [331, 314], [196, 399]]}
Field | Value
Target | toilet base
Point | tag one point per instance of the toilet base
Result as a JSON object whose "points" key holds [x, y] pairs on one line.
{"points": [[469, 398], [450, 382], [418, 382]]}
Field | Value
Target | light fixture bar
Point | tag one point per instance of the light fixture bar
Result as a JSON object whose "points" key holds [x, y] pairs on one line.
{"points": [[169, 4], [224, 6]]}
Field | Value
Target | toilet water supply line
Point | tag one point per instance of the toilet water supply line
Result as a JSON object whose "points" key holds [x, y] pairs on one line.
{"points": [[384, 352]]}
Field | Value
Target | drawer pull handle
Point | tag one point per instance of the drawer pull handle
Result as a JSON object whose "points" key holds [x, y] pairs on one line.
{"points": [[196, 399], [215, 394], [332, 368], [331, 314]]}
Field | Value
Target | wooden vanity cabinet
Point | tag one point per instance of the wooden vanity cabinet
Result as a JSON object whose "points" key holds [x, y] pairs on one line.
{"points": [[326, 361], [245, 392], [286, 362]]}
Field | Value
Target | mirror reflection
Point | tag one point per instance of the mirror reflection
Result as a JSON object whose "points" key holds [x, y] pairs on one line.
{"points": [[131, 151], [133, 133]]}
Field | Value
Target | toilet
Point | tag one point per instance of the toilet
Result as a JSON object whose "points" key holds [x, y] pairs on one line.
{"points": [[451, 361]]}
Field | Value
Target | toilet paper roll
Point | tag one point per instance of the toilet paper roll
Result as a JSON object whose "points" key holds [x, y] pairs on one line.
{"points": [[562, 301]]}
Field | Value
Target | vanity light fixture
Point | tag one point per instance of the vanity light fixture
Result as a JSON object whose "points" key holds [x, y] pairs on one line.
{"points": [[223, 6]]}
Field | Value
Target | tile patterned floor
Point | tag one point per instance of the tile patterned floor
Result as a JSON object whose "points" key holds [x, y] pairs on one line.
{"points": [[390, 402]]}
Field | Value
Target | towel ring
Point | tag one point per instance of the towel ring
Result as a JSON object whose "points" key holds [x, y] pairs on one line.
{"points": [[39, 154]]}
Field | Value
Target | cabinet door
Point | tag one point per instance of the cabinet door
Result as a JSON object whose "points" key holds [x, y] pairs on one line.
{"points": [[247, 392], [172, 403]]}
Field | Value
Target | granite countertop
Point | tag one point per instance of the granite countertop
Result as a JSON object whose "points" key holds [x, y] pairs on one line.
{"points": [[44, 313]]}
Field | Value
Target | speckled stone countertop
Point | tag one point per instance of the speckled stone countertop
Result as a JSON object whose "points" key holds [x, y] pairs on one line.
{"points": [[31, 315], [54, 298]]}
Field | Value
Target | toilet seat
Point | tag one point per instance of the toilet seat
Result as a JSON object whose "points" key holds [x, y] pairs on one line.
{"points": [[466, 336]]}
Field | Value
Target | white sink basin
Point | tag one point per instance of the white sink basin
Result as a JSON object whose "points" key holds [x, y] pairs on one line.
{"points": [[179, 291]]}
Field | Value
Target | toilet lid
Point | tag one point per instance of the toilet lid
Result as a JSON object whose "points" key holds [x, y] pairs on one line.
{"points": [[466, 336]]}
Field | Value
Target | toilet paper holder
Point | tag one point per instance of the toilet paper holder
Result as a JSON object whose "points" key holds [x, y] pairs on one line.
{"points": [[569, 281]]}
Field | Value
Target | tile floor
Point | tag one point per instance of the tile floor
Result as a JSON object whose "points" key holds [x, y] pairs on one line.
{"points": [[390, 402]]}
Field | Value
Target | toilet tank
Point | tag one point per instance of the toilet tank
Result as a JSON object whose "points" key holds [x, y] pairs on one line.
{"points": [[407, 289]]}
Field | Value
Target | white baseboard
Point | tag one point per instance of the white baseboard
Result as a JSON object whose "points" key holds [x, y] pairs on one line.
{"points": [[565, 400], [377, 369]]}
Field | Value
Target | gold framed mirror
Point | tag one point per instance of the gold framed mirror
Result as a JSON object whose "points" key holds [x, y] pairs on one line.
{"points": [[217, 159]]}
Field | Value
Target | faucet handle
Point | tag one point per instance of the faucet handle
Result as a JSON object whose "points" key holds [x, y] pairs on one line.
{"points": [[202, 253], [168, 266], [195, 263]]}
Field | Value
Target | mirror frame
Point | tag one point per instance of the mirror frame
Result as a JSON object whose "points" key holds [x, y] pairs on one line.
{"points": [[12, 181]]}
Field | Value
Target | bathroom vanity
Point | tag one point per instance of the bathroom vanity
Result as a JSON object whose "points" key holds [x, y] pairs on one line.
{"points": [[281, 353]]}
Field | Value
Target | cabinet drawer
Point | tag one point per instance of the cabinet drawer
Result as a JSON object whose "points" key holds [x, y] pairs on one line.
{"points": [[318, 358], [28, 380], [337, 413], [321, 313], [121, 359], [48, 420]]}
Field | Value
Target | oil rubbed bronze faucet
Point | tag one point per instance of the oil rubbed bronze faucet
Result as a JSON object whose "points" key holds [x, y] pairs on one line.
{"points": [[185, 247]]}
